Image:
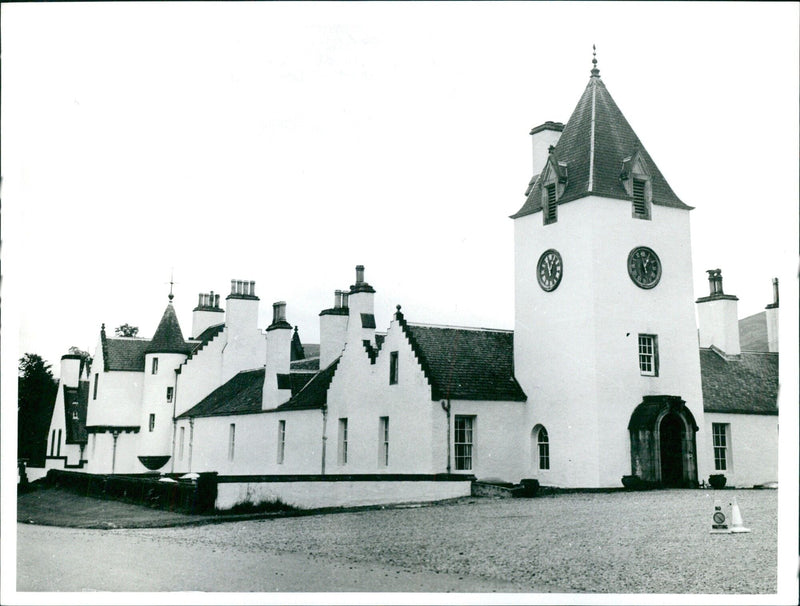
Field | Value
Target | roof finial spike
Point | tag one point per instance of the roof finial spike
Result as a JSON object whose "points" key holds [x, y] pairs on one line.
{"points": [[171, 282], [595, 71]]}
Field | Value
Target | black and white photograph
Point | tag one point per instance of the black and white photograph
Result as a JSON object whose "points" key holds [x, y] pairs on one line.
{"points": [[400, 302]]}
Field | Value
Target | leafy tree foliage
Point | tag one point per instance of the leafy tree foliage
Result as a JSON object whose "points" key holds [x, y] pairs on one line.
{"points": [[35, 401], [85, 357], [126, 330]]}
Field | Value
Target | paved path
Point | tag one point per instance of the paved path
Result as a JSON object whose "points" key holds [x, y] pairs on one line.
{"points": [[67, 559]]}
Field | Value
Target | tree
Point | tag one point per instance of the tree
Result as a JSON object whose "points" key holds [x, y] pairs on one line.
{"points": [[35, 400], [86, 359], [126, 330]]}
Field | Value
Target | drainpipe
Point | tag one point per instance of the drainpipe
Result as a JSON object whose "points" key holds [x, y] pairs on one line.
{"points": [[324, 435], [446, 408], [191, 440], [115, 434]]}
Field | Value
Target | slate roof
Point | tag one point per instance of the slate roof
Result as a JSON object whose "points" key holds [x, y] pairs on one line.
{"points": [[168, 337], [241, 395], [753, 332], [466, 363], [124, 353], [614, 141], [315, 393], [306, 364], [747, 384], [76, 399]]}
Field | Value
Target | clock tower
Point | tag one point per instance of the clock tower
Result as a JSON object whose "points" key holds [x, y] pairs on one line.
{"points": [[605, 338]]}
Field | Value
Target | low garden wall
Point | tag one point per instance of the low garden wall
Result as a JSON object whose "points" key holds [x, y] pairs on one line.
{"points": [[188, 496], [313, 492]]}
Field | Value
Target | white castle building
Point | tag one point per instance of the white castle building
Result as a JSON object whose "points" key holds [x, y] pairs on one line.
{"points": [[604, 375]]}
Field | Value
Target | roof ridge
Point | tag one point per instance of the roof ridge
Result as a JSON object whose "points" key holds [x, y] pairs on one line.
{"points": [[475, 328]]}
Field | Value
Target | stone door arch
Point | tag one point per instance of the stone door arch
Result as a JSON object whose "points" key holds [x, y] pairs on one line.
{"points": [[663, 446]]}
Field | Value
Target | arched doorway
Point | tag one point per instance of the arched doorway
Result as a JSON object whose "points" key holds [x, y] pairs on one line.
{"points": [[671, 432], [662, 432]]}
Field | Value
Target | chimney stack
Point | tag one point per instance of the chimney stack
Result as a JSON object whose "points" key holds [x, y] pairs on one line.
{"points": [[277, 384], [772, 318], [544, 137], [206, 314], [361, 307], [333, 329], [718, 317]]}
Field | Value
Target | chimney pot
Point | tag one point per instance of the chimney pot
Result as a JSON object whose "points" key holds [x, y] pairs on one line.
{"points": [[775, 291], [337, 299], [345, 298], [252, 287], [216, 300], [200, 300], [359, 274], [278, 311], [233, 287]]}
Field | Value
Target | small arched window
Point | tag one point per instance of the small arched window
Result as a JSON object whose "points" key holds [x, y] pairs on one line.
{"points": [[543, 444]]}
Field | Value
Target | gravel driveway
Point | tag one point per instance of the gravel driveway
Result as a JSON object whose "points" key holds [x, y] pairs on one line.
{"points": [[653, 542]]}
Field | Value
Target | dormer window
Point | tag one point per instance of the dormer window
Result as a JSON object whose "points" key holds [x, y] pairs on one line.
{"points": [[554, 180], [550, 205], [636, 180]]}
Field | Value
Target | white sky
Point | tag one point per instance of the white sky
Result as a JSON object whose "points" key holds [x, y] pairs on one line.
{"points": [[286, 143]]}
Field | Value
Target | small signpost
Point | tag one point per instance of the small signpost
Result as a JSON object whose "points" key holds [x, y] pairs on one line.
{"points": [[719, 521]]}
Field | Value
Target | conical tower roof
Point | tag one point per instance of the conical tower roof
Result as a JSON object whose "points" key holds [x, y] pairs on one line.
{"points": [[595, 143], [168, 337]]}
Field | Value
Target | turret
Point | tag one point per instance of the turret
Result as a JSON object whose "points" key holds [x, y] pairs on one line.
{"points": [[277, 385], [717, 317], [207, 313]]}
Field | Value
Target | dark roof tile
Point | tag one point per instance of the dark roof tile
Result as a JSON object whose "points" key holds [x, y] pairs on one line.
{"points": [[168, 337], [614, 141], [121, 353], [315, 393], [746, 384], [466, 363]]}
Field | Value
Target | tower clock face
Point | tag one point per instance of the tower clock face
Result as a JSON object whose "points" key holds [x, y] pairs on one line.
{"points": [[644, 267], [549, 270]]}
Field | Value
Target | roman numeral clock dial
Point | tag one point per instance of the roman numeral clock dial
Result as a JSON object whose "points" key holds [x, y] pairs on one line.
{"points": [[549, 270], [644, 267]]}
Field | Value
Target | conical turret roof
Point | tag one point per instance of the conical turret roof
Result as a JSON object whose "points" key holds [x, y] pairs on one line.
{"points": [[595, 143], [168, 337]]}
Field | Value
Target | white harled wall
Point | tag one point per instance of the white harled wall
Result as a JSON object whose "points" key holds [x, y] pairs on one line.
{"points": [[753, 449], [576, 348]]}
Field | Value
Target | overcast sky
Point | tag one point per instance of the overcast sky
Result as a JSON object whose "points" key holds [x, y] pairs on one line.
{"points": [[286, 143]]}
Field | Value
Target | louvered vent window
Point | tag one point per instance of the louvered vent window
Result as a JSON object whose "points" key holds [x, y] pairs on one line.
{"points": [[639, 199], [550, 211]]}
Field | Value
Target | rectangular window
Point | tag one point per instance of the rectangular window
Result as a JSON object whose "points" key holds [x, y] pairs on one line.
{"points": [[281, 441], [74, 415], [648, 355], [52, 442], [154, 369], [231, 441], [58, 444], [719, 433], [550, 211], [94, 443], [170, 391], [383, 439], [393, 368], [152, 424], [342, 441], [639, 199], [463, 442], [180, 443], [94, 391]]}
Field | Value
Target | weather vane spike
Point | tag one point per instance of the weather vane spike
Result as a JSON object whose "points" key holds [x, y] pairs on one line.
{"points": [[171, 282], [595, 71]]}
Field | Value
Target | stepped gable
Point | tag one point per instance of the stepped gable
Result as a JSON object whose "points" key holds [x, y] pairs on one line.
{"points": [[315, 393], [168, 337], [466, 363], [597, 139], [745, 384], [76, 399]]}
